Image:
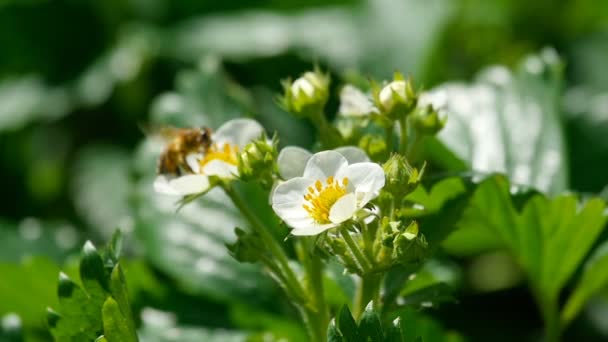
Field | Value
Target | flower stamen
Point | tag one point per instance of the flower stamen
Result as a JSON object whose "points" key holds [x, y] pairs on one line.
{"points": [[322, 197], [226, 153]]}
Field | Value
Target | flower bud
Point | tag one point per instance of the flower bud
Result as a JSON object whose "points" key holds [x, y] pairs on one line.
{"points": [[401, 177], [307, 95], [257, 162], [409, 245], [428, 121], [396, 99]]}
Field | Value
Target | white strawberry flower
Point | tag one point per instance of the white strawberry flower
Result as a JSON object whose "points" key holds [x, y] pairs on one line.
{"points": [[292, 159], [329, 192], [220, 160]]}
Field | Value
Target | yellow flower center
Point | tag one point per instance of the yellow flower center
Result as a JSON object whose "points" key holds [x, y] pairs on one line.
{"points": [[322, 196], [226, 153]]}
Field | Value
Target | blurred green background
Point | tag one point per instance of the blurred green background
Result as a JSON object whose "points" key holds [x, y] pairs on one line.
{"points": [[79, 78]]}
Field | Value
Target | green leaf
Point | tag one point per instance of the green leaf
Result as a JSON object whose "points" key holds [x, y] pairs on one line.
{"points": [[115, 325], [333, 335], [592, 281], [370, 327], [418, 327], [548, 237], [347, 325], [443, 207], [26, 291], [509, 122], [100, 306]]}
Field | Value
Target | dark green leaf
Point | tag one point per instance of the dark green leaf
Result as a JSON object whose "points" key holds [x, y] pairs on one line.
{"points": [[347, 325], [93, 274], [370, 327], [333, 335]]}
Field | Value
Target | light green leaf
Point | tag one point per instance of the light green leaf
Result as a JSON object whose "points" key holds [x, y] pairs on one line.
{"points": [[508, 122], [548, 237], [115, 325], [27, 288], [592, 281]]}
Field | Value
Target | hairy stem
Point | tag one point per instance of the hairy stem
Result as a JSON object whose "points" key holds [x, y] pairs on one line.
{"points": [[275, 249], [364, 264]]}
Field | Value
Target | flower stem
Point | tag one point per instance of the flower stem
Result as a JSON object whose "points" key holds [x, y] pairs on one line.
{"points": [[319, 315], [368, 290], [364, 264], [389, 136], [274, 248], [403, 137], [550, 312]]}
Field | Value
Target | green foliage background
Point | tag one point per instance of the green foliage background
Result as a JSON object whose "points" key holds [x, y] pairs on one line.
{"points": [[78, 80]]}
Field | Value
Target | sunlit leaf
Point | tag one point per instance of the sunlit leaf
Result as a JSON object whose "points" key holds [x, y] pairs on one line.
{"points": [[189, 245], [508, 122], [97, 169], [35, 237]]}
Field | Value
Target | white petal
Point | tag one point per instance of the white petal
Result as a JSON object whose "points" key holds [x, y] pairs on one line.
{"points": [[193, 162], [324, 164], [343, 209], [238, 131], [189, 184], [353, 154], [288, 201], [292, 161], [220, 168], [353, 102], [366, 178], [291, 192], [313, 230], [161, 185]]}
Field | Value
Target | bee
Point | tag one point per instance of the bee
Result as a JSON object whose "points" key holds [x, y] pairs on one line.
{"points": [[182, 142]]}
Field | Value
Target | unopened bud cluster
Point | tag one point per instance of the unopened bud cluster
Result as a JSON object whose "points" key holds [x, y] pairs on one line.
{"points": [[257, 162]]}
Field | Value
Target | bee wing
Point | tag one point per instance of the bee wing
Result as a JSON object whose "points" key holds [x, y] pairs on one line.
{"points": [[165, 132]]}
